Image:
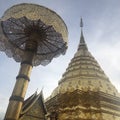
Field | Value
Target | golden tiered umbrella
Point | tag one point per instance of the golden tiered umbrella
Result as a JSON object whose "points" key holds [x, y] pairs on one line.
{"points": [[33, 35]]}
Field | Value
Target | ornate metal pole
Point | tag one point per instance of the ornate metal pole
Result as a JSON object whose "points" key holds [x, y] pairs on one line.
{"points": [[32, 35], [17, 98], [21, 85]]}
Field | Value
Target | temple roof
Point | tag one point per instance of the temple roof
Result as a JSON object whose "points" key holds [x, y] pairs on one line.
{"points": [[84, 73], [29, 103]]}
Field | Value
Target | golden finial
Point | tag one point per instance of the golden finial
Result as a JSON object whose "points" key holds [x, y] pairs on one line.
{"points": [[81, 23], [82, 44]]}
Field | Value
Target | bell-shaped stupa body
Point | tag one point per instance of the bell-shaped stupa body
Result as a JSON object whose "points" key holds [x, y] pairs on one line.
{"points": [[84, 92]]}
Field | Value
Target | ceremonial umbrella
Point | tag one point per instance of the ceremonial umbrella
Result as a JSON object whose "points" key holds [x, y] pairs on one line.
{"points": [[33, 35]]}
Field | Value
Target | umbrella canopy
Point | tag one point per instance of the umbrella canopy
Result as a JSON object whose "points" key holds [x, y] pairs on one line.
{"points": [[32, 27]]}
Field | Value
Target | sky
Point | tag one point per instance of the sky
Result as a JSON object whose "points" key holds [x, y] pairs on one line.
{"points": [[102, 35]]}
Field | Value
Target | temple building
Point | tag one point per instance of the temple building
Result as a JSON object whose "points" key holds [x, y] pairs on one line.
{"points": [[34, 108], [83, 93]]}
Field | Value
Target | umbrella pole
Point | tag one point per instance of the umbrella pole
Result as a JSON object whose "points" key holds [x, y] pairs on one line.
{"points": [[19, 91]]}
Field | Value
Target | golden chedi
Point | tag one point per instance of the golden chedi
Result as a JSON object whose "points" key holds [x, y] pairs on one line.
{"points": [[84, 92]]}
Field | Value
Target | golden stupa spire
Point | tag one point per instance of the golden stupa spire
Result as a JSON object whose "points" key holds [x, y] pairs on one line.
{"points": [[81, 23], [82, 44]]}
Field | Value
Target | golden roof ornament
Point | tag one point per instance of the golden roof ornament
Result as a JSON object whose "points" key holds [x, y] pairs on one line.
{"points": [[81, 23], [82, 44]]}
